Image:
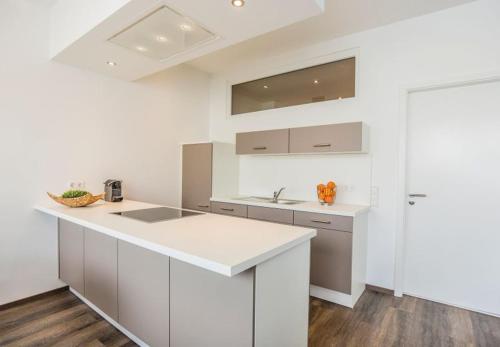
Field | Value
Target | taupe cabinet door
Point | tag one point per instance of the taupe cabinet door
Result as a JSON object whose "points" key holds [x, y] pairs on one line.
{"points": [[209, 309], [262, 142], [331, 260], [271, 214], [197, 176], [229, 209], [143, 295], [346, 137], [323, 221], [101, 271], [71, 255]]}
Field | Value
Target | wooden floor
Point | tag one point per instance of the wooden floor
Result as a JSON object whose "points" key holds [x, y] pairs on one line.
{"points": [[384, 320], [61, 319]]}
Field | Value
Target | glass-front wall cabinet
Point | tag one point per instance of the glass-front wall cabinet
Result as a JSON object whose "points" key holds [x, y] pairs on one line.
{"points": [[330, 81]]}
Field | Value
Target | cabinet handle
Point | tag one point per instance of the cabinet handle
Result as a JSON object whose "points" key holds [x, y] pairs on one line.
{"points": [[227, 209], [204, 206], [321, 221], [259, 148], [319, 145]]}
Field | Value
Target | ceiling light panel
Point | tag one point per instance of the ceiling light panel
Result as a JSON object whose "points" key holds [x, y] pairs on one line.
{"points": [[162, 34]]}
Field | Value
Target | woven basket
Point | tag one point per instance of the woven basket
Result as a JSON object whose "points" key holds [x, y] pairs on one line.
{"points": [[77, 202]]}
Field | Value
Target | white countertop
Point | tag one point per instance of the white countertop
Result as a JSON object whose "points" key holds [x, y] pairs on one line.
{"points": [[308, 206], [223, 244]]}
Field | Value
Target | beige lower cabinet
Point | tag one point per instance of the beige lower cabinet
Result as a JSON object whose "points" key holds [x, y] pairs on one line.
{"points": [[71, 255], [101, 271], [143, 293], [209, 309], [168, 303], [338, 255], [331, 260]]}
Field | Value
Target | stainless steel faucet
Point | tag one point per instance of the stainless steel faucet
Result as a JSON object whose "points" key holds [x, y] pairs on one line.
{"points": [[276, 195]]}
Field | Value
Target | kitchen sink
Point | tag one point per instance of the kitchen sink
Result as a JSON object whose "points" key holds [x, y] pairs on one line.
{"points": [[271, 200]]}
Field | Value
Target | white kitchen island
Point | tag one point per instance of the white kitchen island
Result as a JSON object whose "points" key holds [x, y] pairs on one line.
{"points": [[203, 280]]}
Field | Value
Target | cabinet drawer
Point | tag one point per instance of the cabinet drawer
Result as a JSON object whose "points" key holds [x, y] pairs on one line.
{"points": [[229, 209], [262, 142], [324, 221], [331, 260], [271, 214], [346, 137]]}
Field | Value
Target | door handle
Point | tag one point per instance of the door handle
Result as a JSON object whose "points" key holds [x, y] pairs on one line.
{"points": [[203, 206], [227, 209], [259, 148], [319, 145], [417, 195]]}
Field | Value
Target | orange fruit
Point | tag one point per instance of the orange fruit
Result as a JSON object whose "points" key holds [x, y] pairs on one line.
{"points": [[331, 185], [329, 199]]}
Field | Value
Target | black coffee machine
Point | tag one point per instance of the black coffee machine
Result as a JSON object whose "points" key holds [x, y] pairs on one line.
{"points": [[113, 190]]}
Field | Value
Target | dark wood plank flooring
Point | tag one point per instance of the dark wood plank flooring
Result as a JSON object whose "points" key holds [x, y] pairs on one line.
{"points": [[384, 320], [61, 319]]}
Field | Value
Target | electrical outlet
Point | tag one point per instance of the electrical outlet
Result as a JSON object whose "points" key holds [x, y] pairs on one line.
{"points": [[76, 185]]}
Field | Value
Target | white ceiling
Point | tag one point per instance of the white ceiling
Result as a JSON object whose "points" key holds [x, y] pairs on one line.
{"points": [[341, 17], [230, 24]]}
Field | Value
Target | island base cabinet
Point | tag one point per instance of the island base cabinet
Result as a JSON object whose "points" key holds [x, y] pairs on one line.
{"points": [[143, 295], [209, 309], [331, 260], [71, 255], [101, 272]]}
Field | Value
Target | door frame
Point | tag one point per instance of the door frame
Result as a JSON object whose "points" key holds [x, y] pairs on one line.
{"points": [[401, 176]]}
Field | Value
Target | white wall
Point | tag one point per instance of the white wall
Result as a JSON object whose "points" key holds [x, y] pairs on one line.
{"points": [[60, 124], [457, 42]]}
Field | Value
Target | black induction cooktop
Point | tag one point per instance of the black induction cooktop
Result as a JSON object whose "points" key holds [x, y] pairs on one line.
{"points": [[157, 214]]}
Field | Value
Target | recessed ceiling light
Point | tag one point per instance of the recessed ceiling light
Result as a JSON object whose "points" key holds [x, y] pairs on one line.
{"points": [[141, 48], [186, 27], [161, 38], [265, 87], [316, 82], [111, 63], [238, 3]]}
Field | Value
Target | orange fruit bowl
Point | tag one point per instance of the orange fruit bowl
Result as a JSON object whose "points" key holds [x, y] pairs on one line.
{"points": [[327, 193]]}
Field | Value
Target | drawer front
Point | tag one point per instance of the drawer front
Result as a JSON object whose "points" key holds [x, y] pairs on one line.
{"points": [[331, 260], [323, 221], [263, 142], [271, 214], [346, 137], [229, 209]]}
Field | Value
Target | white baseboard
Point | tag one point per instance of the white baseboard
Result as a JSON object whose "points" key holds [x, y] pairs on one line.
{"points": [[110, 320], [332, 296]]}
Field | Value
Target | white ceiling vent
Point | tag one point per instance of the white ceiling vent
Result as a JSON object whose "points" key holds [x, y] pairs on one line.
{"points": [[162, 35]]}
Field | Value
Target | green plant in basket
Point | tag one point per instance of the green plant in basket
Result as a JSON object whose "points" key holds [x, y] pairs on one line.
{"points": [[71, 194]]}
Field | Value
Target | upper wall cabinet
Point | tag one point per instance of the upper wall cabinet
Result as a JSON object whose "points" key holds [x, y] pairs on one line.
{"points": [[334, 138], [263, 142], [330, 81]]}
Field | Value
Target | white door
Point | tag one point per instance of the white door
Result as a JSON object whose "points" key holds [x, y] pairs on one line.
{"points": [[452, 245]]}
